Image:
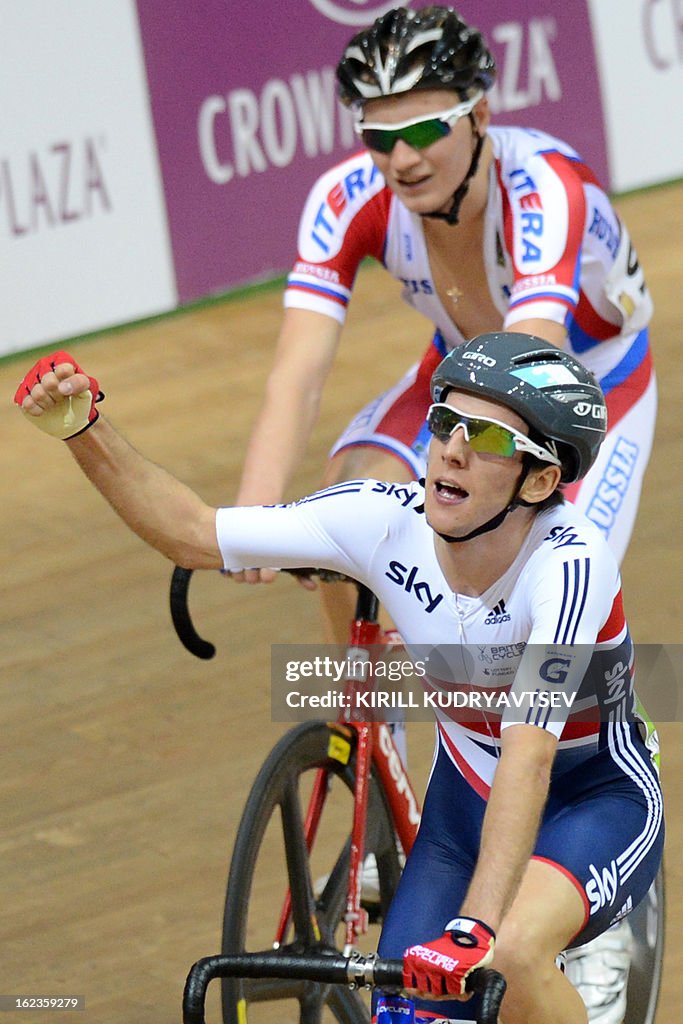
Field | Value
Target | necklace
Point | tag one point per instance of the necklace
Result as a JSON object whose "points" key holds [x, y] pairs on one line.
{"points": [[440, 262], [440, 268]]}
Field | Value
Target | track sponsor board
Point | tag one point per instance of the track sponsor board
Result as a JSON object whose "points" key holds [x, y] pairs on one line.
{"points": [[246, 115]]}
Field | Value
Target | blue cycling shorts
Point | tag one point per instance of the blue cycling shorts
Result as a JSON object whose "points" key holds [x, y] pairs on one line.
{"points": [[602, 827]]}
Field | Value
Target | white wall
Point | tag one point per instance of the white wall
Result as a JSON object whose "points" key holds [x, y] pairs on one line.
{"points": [[639, 44], [83, 237]]}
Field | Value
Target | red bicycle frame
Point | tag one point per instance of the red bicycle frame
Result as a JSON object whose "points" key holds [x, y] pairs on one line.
{"points": [[374, 746]]}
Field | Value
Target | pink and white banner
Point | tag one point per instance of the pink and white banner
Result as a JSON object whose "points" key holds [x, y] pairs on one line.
{"points": [[154, 152], [246, 116]]}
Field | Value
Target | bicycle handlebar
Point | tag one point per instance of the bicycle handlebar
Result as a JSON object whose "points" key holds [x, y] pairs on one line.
{"points": [[356, 971], [180, 614], [180, 611]]}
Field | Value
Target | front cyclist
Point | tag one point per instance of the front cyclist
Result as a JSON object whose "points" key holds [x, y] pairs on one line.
{"points": [[487, 228], [539, 831]]}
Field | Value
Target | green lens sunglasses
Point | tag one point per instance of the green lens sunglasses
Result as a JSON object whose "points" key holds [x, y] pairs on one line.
{"points": [[418, 132], [485, 436]]}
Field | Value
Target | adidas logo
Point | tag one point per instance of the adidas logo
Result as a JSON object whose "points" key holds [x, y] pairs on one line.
{"points": [[497, 614]]}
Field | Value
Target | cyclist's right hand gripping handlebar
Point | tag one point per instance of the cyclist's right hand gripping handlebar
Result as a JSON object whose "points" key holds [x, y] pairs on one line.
{"points": [[357, 971], [441, 967]]}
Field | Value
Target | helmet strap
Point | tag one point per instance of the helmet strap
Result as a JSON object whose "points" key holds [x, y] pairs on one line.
{"points": [[495, 521], [453, 214]]}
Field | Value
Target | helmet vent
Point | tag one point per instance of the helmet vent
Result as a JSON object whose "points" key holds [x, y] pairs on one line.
{"points": [[540, 355]]}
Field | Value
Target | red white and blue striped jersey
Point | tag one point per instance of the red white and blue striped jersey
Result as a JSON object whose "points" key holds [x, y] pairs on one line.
{"points": [[554, 248], [552, 623]]}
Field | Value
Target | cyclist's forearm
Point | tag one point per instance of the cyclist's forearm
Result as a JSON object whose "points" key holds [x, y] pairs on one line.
{"points": [[276, 448], [511, 822], [160, 509], [304, 355]]}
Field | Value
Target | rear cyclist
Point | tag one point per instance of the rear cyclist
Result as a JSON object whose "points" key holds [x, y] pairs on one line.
{"points": [[523, 812], [486, 227]]}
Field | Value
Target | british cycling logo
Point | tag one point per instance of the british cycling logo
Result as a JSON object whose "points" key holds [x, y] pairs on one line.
{"points": [[353, 12]]}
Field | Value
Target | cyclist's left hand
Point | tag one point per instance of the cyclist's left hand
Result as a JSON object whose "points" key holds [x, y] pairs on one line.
{"points": [[441, 967]]}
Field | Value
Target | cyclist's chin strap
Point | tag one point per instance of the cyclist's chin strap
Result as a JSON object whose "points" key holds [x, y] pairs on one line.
{"points": [[452, 216], [495, 521], [492, 524]]}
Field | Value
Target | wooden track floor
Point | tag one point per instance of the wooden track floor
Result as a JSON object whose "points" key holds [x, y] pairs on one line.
{"points": [[124, 761]]}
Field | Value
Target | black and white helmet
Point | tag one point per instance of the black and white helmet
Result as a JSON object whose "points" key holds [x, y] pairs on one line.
{"points": [[559, 399], [431, 48]]}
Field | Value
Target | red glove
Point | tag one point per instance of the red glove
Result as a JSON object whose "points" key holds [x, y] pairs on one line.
{"points": [[441, 967], [70, 415]]}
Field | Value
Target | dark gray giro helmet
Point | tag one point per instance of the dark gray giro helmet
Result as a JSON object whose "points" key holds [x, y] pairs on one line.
{"points": [[559, 399], [431, 48]]}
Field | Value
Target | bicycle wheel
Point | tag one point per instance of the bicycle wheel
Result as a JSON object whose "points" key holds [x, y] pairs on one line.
{"points": [[647, 926], [270, 853]]}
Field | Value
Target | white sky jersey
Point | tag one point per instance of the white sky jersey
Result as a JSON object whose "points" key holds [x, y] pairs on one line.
{"points": [[562, 589], [554, 247]]}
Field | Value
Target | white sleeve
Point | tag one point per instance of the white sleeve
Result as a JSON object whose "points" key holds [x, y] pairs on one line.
{"points": [[337, 229], [319, 531]]}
